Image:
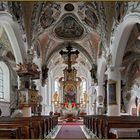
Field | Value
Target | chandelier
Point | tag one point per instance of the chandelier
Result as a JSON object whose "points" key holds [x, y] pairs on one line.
{"points": [[69, 56]]}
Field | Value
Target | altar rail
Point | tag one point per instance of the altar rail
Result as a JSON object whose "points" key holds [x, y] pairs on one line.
{"points": [[102, 125]]}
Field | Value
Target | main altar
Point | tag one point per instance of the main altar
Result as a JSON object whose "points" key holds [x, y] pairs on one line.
{"points": [[70, 111], [67, 99], [70, 98]]}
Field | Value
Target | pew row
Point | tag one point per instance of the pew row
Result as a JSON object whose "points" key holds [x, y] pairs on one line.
{"points": [[35, 127], [106, 127]]}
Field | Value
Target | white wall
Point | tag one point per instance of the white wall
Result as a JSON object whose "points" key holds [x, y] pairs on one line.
{"points": [[5, 107]]}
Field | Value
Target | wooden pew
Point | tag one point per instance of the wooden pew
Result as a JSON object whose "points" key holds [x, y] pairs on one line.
{"points": [[93, 123], [119, 122], [98, 124], [36, 127], [25, 126], [31, 128], [10, 131], [42, 124]]}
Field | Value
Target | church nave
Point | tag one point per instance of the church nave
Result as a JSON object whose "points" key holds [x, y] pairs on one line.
{"points": [[69, 69]]}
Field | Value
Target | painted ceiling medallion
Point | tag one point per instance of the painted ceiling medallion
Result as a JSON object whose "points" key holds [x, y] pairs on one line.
{"points": [[69, 28]]}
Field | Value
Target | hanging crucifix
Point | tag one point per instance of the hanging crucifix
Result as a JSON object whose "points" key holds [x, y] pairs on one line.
{"points": [[69, 54]]}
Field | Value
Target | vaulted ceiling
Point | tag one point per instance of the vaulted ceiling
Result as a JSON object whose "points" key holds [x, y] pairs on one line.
{"points": [[51, 24]]}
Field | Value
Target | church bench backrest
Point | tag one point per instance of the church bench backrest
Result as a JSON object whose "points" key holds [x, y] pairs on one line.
{"points": [[10, 131], [42, 123], [35, 126], [119, 122], [25, 126], [98, 125]]}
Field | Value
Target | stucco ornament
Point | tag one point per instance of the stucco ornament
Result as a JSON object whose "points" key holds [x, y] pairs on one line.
{"points": [[49, 15]]}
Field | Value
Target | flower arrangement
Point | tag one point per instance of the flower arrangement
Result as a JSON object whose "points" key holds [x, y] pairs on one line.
{"points": [[70, 105]]}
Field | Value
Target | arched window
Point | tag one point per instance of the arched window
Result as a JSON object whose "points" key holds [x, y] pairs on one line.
{"points": [[1, 84], [4, 82]]}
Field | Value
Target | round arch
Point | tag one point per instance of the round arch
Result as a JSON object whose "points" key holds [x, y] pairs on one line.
{"points": [[74, 45], [14, 36], [122, 36]]}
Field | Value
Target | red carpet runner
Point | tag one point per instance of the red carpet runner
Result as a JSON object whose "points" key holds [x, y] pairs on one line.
{"points": [[70, 132]]}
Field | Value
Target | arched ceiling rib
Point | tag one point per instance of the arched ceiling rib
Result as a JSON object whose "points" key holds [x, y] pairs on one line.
{"points": [[84, 23], [74, 45]]}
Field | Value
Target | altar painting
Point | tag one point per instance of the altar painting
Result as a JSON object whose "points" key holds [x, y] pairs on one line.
{"points": [[69, 93]]}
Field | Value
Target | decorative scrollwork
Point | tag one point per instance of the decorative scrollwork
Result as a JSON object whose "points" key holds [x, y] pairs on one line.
{"points": [[50, 15]]}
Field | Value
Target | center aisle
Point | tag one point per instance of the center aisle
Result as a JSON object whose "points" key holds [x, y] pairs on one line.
{"points": [[70, 132]]}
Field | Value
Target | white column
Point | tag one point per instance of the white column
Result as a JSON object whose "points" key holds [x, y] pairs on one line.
{"points": [[42, 93], [61, 94], [49, 98], [100, 99], [78, 93], [114, 109]]}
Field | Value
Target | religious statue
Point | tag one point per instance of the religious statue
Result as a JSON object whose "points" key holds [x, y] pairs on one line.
{"points": [[19, 67], [85, 97], [34, 67], [93, 72], [24, 66], [56, 97], [29, 57]]}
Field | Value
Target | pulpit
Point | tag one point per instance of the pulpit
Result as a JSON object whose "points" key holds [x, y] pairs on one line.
{"points": [[28, 98]]}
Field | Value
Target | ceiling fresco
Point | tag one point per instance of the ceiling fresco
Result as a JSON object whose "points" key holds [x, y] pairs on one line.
{"points": [[69, 28], [50, 14], [49, 24], [59, 21], [87, 14]]}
